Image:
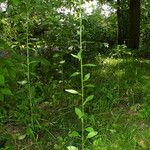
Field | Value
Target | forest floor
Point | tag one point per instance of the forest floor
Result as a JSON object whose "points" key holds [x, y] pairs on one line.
{"points": [[116, 113]]}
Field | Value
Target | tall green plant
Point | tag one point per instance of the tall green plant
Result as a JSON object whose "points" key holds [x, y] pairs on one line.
{"points": [[83, 78], [28, 62], [30, 97]]}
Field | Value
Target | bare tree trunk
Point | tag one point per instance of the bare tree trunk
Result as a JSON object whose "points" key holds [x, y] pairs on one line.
{"points": [[120, 24], [134, 29]]}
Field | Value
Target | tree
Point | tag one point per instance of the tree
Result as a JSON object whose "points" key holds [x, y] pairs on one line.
{"points": [[122, 20], [134, 27]]}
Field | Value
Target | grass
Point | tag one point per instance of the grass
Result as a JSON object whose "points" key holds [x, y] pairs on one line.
{"points": [[114, 113]]}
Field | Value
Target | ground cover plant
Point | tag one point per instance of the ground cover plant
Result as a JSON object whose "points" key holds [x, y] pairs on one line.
{"points": [[74, 75]]}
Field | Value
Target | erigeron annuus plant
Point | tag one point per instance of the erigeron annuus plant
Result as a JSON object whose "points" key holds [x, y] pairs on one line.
{"points": [[30, 130], [84, 78], [28, 61]]}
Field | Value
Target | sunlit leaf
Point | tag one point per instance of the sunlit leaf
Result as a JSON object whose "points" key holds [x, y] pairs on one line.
{"points": [[89, 129], [89, 98], [72, 91], [78, 56], [74, 134], [75, 74], [79, 113], [89, 65], [92, 134], [22, 82], [75, 56], [62, 62], [86, 77], [56, 55], [21, 137]]}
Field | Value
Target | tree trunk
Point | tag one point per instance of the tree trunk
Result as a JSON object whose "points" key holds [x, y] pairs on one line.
{"points": [[134, 28], [120, 24]]}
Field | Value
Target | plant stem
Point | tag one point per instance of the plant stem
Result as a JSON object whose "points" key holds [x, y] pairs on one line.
{"points": [[28, 74], [28, 65], [82, 75]]}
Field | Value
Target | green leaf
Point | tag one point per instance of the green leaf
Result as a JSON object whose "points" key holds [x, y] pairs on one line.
{"points": [[89, 98], [22, 82], [89, 129], [56, 55], [62, 62], [78, 56], [75, 74], [2, 80], [72, 91], [79, 113], [16, 2], [86, 77], [75, 56], [89, 65], [21, 137], [74, 134], [92, 134], [90, 85], [34, 62], [6, 91], [72, 148]]}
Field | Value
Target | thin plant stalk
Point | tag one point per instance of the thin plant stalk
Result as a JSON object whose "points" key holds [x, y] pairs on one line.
{"points": [[28, 65], [28, 74], [82, 75]]}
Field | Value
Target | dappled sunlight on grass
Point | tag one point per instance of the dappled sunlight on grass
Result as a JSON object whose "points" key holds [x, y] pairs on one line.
{"points": [[112, 61]]}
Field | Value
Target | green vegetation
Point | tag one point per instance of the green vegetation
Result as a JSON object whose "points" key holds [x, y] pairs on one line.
{"points": [[74, 79]]}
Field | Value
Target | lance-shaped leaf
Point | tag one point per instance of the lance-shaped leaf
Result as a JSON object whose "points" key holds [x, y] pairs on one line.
{"points": [[79, 113], [89, 129], [86, 77], [21, 137], [89, 98], [89, 65], [90, 85], [22, 82], [75, 74], [78, 56], [74, 134], [72, 91], [62, 62], [75, 56], [91, 134]]}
